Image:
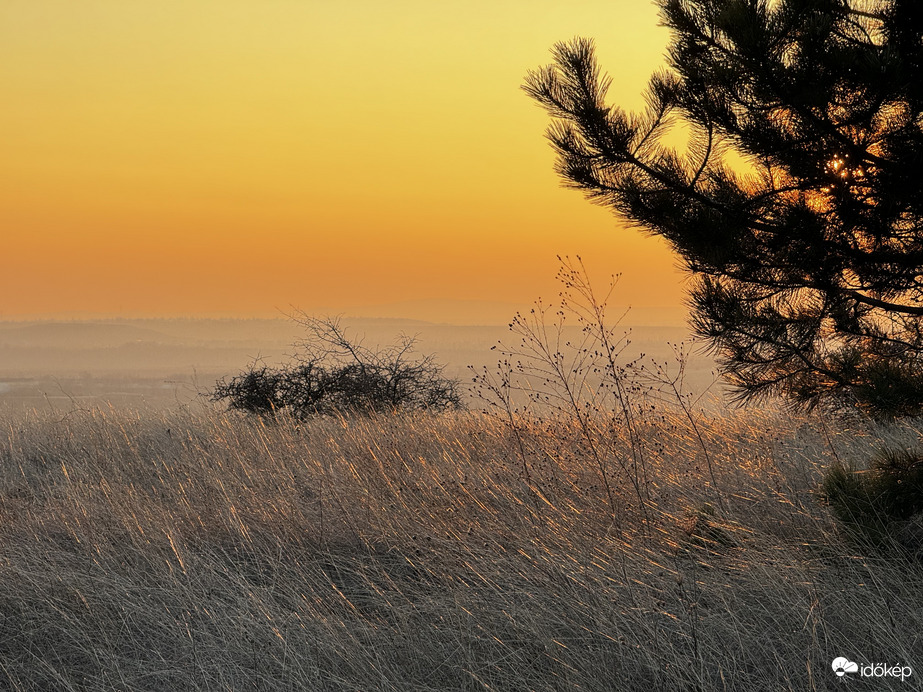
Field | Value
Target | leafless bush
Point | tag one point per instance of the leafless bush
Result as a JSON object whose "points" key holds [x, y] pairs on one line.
{"points": [[569, 368], [336, 373]]}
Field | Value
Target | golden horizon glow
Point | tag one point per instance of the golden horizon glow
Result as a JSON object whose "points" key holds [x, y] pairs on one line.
{"points": [[230, 157]]}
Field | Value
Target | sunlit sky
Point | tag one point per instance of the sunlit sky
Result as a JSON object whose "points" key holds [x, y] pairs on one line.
{"points": [[229, 157]]}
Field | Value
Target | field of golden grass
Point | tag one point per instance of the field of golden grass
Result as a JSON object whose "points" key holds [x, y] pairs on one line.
{"points": [[198, 550]]}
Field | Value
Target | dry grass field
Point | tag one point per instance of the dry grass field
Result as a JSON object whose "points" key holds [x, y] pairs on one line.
{"points": [[198, 550]]}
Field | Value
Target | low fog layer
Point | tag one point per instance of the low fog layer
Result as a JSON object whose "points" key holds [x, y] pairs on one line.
{"points": [[166, 362]]}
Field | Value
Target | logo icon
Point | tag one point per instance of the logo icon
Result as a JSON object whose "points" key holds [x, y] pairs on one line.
{"points": [[842, 665]]}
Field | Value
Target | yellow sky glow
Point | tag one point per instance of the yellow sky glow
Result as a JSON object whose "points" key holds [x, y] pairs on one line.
{"points": [[203, 157]]}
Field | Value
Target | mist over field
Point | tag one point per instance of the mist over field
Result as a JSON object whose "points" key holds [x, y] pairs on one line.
{"points": [[160, 363]]}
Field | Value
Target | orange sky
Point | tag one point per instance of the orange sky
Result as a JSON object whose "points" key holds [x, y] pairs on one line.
{"points": [[230, 157]]}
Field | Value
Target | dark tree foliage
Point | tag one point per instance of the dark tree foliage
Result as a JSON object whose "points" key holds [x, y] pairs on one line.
{"points": [[337, 374], [798, 201]]}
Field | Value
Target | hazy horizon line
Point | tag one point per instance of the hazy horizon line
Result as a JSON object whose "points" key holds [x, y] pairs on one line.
{"points": [[428, 311]]}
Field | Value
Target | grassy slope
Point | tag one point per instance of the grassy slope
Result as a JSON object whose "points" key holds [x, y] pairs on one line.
{"points": [[204, 551]]}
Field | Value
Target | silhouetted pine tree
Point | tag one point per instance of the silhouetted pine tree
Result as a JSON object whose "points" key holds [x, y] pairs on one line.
{"points": [[806, 247]]}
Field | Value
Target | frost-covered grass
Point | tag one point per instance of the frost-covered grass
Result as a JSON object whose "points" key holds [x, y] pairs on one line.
{"points": [[206, 551]]}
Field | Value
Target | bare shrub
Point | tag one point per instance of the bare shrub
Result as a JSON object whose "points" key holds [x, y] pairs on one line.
{"points": [[336, 373], [568, 370]]}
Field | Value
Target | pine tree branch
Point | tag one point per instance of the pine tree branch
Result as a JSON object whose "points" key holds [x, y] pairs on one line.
{"points": [[883, 304]]}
